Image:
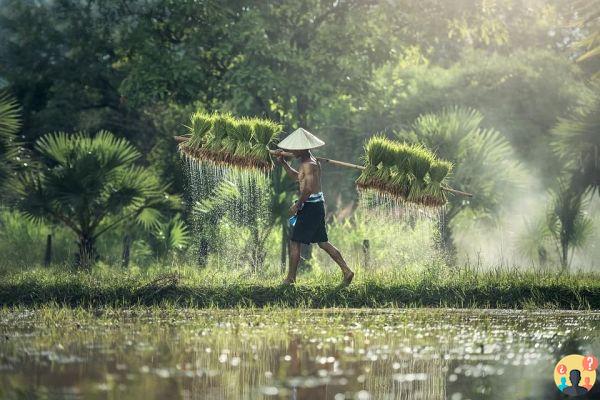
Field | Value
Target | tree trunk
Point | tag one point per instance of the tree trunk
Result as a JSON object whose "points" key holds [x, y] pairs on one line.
{"points": [[126, 251], [565, 255], [446, 241], [48, 253], [256, 247], [203, 252], [86, 256]]}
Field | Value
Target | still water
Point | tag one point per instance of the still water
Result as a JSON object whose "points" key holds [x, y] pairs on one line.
{"points": [[141, 353]]}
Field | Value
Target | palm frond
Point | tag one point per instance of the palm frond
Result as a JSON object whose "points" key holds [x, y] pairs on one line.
{"points": [[10, 116], [576, 140], [484, 161]]}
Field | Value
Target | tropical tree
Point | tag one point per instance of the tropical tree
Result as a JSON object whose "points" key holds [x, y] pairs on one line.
{"points": [[564, 227], [576, 140], [91, 185], [168, 237], [568, 225], [484, 162], [9, 126]]}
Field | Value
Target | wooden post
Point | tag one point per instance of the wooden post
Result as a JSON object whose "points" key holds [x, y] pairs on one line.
{"points": [[366, 245], [126, 251], [48, 253]]}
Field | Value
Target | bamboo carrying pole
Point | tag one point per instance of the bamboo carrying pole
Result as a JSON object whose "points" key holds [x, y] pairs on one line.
{"points": [[183, 139]]}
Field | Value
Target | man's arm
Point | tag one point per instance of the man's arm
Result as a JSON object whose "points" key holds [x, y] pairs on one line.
{"points": [[292, 173]]}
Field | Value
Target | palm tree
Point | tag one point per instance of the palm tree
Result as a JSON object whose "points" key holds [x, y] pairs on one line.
{"points": [[10, 123], [484, 162], [91, 185], [568, 226], [576, 140]]}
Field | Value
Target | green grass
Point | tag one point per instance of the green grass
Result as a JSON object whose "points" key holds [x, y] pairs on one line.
{"points": [[430, 287]]}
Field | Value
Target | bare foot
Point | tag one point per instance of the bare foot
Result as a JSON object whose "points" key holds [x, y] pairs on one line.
{"points": [[348, 276]]}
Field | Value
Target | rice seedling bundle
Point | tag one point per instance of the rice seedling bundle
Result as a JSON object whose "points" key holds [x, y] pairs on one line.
{"points": [[265, 133], [419, 164], [433, 193], [201, 124], [410, 172], [225, 140]]}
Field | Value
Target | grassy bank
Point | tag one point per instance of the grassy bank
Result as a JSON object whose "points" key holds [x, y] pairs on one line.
{"points": [[464, 287]]}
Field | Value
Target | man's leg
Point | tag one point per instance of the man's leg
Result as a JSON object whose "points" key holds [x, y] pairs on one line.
{"points": [[294, 260], [335, 254]]}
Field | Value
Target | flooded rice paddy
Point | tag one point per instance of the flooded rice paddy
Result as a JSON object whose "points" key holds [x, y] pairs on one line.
{"points": [[58, 353]]}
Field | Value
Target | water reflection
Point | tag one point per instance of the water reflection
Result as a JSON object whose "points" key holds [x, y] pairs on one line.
{"points": [[277, 354]]}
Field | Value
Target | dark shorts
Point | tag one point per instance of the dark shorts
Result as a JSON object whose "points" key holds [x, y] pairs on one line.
{"points": [[310, 225]]}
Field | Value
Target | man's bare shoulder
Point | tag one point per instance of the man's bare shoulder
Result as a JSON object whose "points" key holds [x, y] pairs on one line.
{"points": [[309, 166]]}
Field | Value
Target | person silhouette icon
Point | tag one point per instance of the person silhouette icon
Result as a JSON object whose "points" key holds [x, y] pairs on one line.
{"points": [[575, 389], [563, 383], [587, 384]]}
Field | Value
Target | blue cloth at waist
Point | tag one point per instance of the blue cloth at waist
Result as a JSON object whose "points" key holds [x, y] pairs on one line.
{"points": [[315, 198]]}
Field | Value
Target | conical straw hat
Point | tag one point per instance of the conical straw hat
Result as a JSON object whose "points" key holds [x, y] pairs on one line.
{"points": [[300, 139]]}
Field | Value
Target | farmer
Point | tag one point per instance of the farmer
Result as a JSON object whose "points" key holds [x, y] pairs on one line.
{"points": [[309, 210]]}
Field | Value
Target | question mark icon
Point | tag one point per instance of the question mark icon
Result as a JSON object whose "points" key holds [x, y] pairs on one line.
{"points": [[561, 369], [590, 363]]}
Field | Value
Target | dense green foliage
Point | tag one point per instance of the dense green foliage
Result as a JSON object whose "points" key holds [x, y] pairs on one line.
{"points": [[91, 185], [493, 87], [9, 126], [577, 143]]}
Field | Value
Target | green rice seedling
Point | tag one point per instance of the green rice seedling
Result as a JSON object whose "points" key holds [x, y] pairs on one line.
{"points": [[388, 160], [400, 182], [420, 162], [433, 194], [221, 124], [244, 142], [366, 175], [375, 148], [230, 141], [265, 133], [402, 157], [439, 170], [200, 126]]}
